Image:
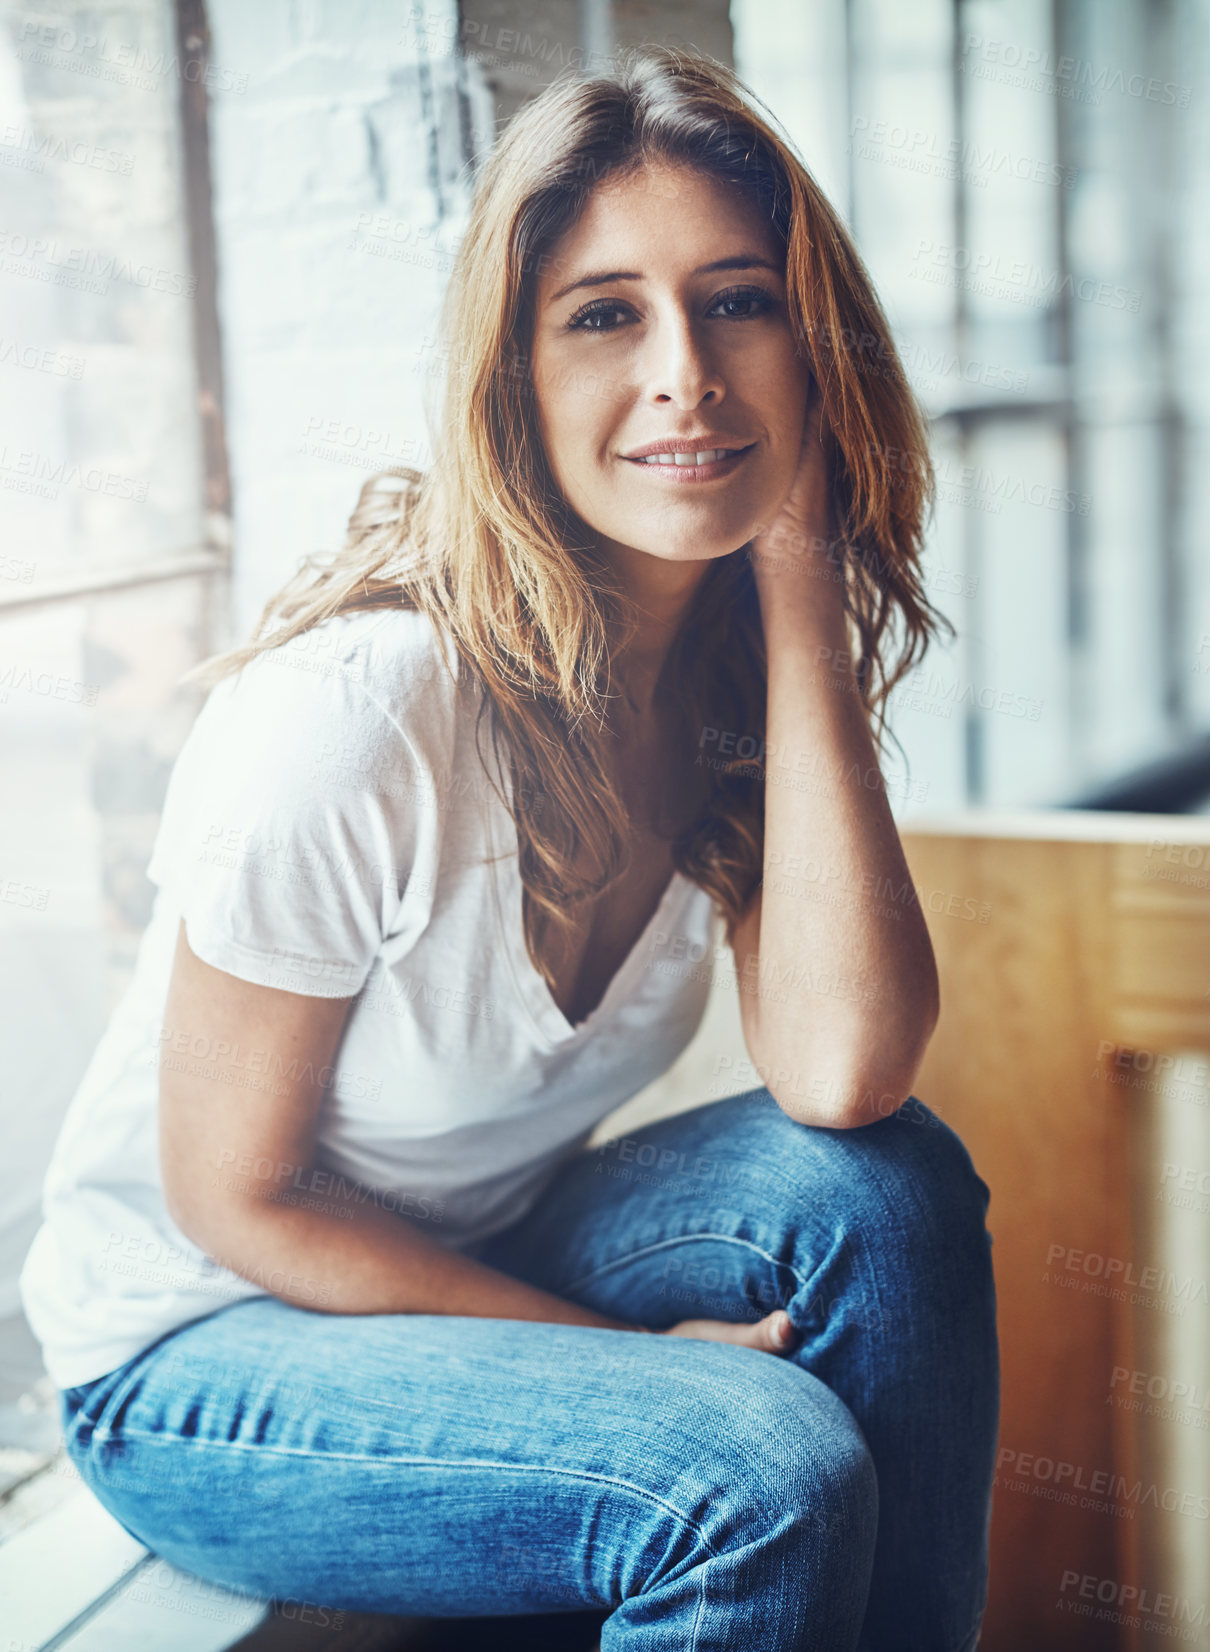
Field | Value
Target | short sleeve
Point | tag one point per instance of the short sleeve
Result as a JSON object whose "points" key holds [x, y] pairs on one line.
{"points": [[289, 826]]}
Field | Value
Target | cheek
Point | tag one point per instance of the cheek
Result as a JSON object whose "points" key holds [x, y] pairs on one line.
{"points": [[781, 385], [573, 420]]}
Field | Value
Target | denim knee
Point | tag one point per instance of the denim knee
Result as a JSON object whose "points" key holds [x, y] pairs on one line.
{"points": [[769, 1452], [904, 1210], [924, 1166], [909, 1165], [919, 1218]]}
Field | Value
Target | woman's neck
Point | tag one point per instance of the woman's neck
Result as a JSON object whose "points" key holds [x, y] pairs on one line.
{"points": [[662, 592]]}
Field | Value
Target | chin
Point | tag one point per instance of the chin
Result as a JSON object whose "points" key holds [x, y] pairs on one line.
{"points": [[691, 547], [662, 548], [674, 536]]}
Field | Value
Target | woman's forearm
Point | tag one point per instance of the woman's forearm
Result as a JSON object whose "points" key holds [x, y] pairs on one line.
{"points": [[343, 1254], [847, 981]]}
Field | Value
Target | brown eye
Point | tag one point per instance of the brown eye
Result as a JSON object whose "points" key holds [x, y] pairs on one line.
{"points": [[745, 295], [584, 321]]}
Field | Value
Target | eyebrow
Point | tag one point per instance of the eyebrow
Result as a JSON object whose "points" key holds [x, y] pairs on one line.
{"points": [[741, 262]]}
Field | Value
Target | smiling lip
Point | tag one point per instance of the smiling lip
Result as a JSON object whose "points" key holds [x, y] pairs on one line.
{"points": [[704, 442], [666, 459]]}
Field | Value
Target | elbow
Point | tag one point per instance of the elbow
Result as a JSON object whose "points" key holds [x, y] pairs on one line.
{"points": [[846, 1090], [212, 1220], [183, 1211], [841, 1105], [846, 1103], [871, 1097], [192, 1217]]}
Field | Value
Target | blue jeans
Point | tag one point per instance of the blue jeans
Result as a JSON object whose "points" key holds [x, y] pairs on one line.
{"points": [[707, 1496]]}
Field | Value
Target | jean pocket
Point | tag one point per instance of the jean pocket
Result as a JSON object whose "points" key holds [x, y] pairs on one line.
{"points": [[73, 1402], [70, 1401]]}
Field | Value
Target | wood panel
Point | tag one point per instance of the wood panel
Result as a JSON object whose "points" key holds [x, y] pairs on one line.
{"points": [[1086, 959]]}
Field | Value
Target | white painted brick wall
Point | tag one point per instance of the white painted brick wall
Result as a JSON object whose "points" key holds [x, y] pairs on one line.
{"points": [[334, 168]]}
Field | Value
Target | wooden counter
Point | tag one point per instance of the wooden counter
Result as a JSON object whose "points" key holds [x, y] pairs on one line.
{"points": [[1073, 1057]]}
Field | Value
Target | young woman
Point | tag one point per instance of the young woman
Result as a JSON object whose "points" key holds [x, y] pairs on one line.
{"points": [[339, 1305]]}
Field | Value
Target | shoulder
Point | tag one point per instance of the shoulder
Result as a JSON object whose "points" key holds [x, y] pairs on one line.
{"points": [[354, 677], [386, 651], [326, 746]]}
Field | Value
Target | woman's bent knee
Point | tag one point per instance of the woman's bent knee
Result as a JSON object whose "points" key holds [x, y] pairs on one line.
{"points": [[909, 1166], [939, 1197]]}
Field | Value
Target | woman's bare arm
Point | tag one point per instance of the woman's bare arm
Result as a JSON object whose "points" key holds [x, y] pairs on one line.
{"points": [[838, 981], [233, 1156], [330, 1250]]}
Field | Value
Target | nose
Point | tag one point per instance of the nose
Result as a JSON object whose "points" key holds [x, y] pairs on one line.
{"points": [[680, 368]]}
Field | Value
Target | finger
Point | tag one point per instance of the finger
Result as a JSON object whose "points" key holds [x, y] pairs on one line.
{"points": [[778, 1331], [772, 1335], [775, 1334]]}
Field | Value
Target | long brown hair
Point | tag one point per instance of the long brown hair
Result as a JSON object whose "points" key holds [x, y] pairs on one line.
{"points": [[484, 543]]}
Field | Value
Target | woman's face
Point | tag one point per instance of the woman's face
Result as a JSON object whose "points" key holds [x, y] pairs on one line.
{"points": [[661, 319]]}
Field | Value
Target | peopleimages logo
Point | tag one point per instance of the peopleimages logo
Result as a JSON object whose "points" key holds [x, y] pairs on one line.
{"points": [[125, 61], [1015, 280], [1067, 1479], [1117, 1271], [1153, 1386], [88, 263], [1075, 76], [918, 149], [1109, 1592], [225, 1059]]}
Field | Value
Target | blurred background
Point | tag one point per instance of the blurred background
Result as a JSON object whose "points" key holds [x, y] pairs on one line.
{"points": [[226, 230]]}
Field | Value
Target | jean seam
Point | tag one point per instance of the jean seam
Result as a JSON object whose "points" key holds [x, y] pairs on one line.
{"points": [[699, 1614], [965, 1643], [414, 1462], [682, 1239]]}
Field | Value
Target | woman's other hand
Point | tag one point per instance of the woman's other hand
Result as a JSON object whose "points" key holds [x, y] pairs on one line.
{"points": [[774, 1334], [796, 540]]}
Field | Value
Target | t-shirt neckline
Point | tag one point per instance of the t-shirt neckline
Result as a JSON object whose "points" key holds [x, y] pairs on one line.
{"points": [[507, 901]]}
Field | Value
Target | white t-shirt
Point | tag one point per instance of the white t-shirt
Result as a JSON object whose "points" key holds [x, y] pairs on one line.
{"points": [[329, 829]]}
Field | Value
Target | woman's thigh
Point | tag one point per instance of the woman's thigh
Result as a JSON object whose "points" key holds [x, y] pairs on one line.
{"points": [[442, 1465]]}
